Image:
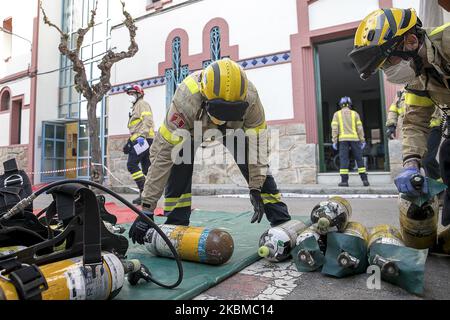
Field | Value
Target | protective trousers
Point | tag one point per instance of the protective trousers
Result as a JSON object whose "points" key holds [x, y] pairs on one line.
{"points": [[344, 157], [139, 173], [444, 163], [178, 196], [429, 161]]}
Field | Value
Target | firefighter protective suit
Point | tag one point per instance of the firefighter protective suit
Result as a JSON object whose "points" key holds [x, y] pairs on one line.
{"points": [[140, 124], [176, 138], [347, 130], [394, 40]]}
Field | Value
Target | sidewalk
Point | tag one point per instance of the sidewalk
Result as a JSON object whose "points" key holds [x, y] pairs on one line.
{"points": [[222, 189]]}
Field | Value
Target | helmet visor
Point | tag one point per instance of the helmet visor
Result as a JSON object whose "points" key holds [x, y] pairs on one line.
{"points": [[367, 60]]}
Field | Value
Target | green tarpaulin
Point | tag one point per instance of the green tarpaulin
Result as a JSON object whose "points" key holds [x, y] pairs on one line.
{"points": [[197, 277]]}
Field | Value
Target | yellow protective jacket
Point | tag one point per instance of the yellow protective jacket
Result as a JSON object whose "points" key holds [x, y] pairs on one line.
{"points": [[396, 111], [141, 121], [186, 113], [427, 90], [347, 126]]}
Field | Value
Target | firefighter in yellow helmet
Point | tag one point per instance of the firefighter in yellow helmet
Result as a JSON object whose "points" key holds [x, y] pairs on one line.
{"points": [[219, 97], [348, 136], [393, 40]]}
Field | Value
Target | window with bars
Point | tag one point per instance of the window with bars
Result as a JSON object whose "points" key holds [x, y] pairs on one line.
{"points": [[176, 74], [214, 46]]}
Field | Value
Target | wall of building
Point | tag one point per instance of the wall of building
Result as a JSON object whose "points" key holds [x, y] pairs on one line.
{"points": [[47, 84], [14, 75], [22, 24]]}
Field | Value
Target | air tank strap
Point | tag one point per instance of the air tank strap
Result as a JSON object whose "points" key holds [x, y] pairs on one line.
{"points": [[28, 280]]}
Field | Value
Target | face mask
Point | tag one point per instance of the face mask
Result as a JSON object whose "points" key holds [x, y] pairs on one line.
{"points": [[132, 99], [401, 73]]}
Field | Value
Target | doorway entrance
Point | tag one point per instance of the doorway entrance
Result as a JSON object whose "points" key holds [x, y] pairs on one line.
{"points": [[336, 77]]}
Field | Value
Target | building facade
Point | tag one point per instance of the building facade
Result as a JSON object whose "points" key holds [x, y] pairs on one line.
{"points": [[295, 53]]}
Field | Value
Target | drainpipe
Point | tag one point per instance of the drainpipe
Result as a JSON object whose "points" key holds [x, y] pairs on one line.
{"points": [[33, 94]]}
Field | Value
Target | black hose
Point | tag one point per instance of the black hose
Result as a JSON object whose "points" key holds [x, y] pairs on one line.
{"points": [[137, 211]]}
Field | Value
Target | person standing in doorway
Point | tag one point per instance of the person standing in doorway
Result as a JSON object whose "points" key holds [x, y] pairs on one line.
{"points": [[141, 138], [348, 135]]}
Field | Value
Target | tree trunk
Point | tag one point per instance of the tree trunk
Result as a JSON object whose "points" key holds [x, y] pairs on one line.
{"points": [[95, 146]]}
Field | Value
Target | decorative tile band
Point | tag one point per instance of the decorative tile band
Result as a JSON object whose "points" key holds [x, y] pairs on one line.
{"points": [[265, 61], [246, 64], [147, 83]]}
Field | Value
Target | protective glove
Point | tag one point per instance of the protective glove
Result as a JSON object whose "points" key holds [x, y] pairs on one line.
{"points": [[335, 146], [363, 145], [141, 141], [390, 132], [411, 182], [140, 227], [258, 205]]}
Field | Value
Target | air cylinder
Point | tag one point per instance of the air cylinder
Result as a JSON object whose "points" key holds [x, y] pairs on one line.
{"points": [[419, 224], [277, 243], [385, 234], [70, 280], [354, 229], [204, 245], [331, 215]]}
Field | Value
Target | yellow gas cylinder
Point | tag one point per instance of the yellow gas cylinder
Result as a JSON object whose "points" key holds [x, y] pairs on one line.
{"points": [[69, 280], [444, 241], [209, 246], [419, 224], [331, 215], [385, 234], [354, 229]]}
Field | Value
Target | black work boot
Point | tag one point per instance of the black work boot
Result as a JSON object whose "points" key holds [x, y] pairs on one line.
{"points": [[344, 180], [364, 179], [140, 184]]}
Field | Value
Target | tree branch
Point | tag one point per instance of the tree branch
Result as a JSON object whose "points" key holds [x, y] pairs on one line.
{"points": [[83, 31], [81, 82], [111, 58]]}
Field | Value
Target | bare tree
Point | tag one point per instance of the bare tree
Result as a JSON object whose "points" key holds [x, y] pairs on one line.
{"points": [[94, 93]]}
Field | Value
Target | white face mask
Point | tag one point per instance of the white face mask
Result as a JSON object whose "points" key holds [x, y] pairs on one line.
{"points": [[401, 73], [132, 99]]}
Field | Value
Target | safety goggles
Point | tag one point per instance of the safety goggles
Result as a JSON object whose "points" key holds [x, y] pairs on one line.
{"points": [[225, 110]]}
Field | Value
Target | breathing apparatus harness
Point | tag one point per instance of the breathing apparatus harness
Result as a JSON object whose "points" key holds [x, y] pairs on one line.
{"points": [[22, 267]]}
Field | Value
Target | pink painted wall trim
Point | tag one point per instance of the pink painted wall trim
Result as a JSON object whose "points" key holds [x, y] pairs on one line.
{"points": [[33, 94], [385, 3], [157, 5], [15, 116], [5, 89], [195, 62], [15, 76]]}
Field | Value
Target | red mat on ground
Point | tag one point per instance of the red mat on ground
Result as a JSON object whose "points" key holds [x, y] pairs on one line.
{"points": [[123, 214]]}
